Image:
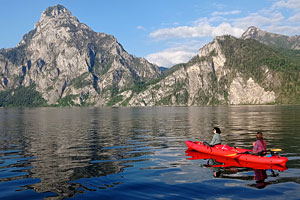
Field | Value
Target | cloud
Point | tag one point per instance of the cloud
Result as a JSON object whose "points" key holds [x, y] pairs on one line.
{"points": [[172, 56], [289, 4], [282, 17], [259, 20], [221, 23], [234, 12], [294, 19], [272, 20], [285, 30], [227, 29], [140, 28], [201, 30]]}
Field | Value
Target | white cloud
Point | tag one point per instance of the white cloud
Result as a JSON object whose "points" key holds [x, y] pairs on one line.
{"points": [[140, 28], [259, 20], [181, 32], [282, 17], [227, 29], [234, 12], [201, 30], [295, 18], [289, 4], [285, 30], [172, 56]]}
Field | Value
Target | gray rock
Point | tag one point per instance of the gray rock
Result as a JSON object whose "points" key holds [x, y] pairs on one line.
{"points": [[64, 57]]}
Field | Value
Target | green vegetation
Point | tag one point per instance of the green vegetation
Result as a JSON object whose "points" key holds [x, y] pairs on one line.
{"points": [[140, 86], [126, 101], [49, 88], [80, 81], [165, 100], [114, 100], [249, 57], [14, 55], [102, 67], [67, 100], [21, 97], [179, 94]]}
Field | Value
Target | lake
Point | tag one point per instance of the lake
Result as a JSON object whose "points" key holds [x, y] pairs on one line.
{"points": [[139, 153]]}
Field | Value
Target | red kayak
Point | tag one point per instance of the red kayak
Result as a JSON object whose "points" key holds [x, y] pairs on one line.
{"points": [[236, 153], [227, 162]]}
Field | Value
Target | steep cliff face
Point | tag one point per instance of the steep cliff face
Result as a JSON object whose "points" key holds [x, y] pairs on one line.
{"points": [[227, 71], [193, 83], [66, 60]]}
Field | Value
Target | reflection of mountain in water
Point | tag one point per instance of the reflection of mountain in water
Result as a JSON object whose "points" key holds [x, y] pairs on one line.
{"points": [[74, 146], [65, 151]]}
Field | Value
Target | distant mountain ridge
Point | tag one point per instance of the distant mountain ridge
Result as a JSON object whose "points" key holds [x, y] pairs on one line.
{"points": [[62, 62], [228, 71], [272, 39]]}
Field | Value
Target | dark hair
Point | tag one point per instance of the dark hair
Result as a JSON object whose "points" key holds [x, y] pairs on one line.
{"points": [[217, 130], [259, 136]]}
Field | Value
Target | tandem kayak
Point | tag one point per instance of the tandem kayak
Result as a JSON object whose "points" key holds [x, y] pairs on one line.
{"points": [[227, 162], [240, 154]]}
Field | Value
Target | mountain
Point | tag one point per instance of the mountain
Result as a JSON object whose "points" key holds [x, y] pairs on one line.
{"points": [[63, 62], [272, 39], [228, 71]]}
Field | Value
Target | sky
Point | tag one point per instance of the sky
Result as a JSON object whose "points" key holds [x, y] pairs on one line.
{"points": [[165, 32]]}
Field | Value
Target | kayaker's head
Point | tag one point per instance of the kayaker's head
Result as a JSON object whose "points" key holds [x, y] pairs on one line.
{"points": [[217, 130], [259, 136]]}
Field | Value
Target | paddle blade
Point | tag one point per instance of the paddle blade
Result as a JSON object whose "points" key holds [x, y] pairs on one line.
{"points": [[276, 149], [231, 154]]}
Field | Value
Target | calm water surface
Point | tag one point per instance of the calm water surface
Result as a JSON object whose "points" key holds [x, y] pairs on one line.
{"points": [[139, 153]]}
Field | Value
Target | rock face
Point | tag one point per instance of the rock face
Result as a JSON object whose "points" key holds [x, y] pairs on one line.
{"points": [[228, 71], [64, 62], [65, 59], [205, 80], [249, 92], [272, 39]]}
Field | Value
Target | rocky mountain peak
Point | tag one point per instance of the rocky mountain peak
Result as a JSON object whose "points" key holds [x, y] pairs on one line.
{"points": [[57, 11], [64, 59], [272, 39], [252, 32], [56, 16]]}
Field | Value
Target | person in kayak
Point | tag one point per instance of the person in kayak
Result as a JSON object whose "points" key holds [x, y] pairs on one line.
{"points": [[260, 146], [217, 139]]}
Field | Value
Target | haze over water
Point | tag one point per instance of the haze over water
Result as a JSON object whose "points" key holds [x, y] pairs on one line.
{"points": [[139, 153]]}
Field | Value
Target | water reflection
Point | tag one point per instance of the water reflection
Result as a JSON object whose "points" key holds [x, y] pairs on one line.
{"points": [[223, 167], [64, 146], [62, 152]]}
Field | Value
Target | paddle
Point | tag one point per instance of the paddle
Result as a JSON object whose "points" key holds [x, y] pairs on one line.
{"points": [[234, 154], [275, 150]]}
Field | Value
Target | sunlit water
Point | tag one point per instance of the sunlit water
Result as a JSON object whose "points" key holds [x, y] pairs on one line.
{"points": [[139, 153]]}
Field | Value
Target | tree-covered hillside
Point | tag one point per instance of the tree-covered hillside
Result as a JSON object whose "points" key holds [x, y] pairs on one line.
{"points": [[252, 59]]}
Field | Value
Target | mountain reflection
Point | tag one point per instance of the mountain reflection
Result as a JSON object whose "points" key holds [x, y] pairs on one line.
{"points": [[66, 151], [64, 146]]}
